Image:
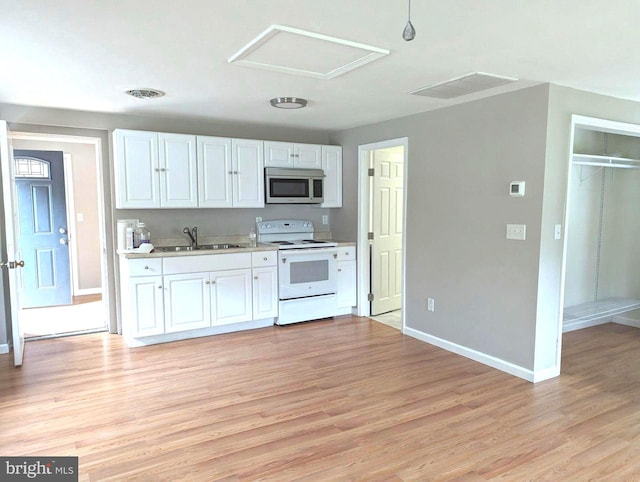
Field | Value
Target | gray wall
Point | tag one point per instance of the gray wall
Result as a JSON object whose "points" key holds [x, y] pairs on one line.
{"points": [[460, 162], [95, 124]]}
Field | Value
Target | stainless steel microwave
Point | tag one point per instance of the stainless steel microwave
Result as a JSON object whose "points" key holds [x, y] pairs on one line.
{"points": [[293, 186]]}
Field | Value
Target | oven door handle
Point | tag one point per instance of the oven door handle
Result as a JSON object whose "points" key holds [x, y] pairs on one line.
{"points": [[294, 252]]}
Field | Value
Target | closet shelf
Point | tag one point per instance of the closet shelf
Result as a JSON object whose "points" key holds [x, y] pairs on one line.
{"points": [[605, 161]]}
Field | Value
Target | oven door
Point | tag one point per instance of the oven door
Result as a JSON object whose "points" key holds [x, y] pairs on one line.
{"points": [[307, 272]]}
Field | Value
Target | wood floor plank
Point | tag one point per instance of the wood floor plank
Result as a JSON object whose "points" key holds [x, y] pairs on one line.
{"points": [[342, 399]]}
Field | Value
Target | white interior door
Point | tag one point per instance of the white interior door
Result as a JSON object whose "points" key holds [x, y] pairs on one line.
{"points": [[12, 263], [386, 220]]}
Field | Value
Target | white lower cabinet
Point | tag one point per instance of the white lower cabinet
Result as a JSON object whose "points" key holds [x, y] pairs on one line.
{"points": [[346, 284], [347, 295], [230, 296], [170, 298], [144, 307], [265, 292], [186, 302]]}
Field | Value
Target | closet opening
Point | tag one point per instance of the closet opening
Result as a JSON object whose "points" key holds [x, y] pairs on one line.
{"points": [[602, 272]]}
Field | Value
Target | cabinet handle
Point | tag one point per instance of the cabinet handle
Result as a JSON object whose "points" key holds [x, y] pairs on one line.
{"points": [[284, 260], [346, 253], [255, 277], [264, 259], [213, 282], [339, 270], [162, 169], [235, 172], [146, 267], [230, 172], [335, 255], [157, 169], [160, 287]]}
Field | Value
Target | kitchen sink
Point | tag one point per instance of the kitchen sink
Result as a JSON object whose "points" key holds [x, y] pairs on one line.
{"points": [[203, 247]]}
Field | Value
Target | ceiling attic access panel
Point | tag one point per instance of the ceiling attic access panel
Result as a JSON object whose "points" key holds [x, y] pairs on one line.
{"points": [[300, 52]]}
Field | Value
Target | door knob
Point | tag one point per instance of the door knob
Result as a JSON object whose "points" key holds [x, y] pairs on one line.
{"points": [[62, 231], [12, 264], [63, 241]]}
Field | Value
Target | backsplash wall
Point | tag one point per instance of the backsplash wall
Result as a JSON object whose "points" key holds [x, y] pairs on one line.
{"points": [[168, 223]]}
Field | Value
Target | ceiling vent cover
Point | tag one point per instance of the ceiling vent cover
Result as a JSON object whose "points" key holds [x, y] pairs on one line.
{"points": [[463, 85], [145, 93], [300, 52]]}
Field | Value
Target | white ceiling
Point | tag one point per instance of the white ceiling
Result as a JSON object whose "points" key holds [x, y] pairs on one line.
{"points": [[83, 54]]}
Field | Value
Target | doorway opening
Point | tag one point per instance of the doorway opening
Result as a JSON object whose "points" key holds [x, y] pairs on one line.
{"points": [[381, 220], [599, 281], [58, 187]]}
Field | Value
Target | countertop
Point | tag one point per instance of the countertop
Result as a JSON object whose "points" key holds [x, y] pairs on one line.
{"points": [[244, 249]]}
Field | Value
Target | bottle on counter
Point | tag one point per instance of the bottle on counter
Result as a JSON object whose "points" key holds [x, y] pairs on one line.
{"points": [[129, 239], [141, 235], [253, 239]]}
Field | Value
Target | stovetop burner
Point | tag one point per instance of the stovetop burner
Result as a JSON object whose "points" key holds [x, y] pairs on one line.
{"points": [[290, 234]]}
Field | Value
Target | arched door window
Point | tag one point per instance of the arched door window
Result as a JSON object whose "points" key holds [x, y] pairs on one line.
{"points": [[31, 168]]}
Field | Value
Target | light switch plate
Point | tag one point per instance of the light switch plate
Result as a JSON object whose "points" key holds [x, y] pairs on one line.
{"points": [[517, 231], [325, 219], [258, 219], [557, 232]]}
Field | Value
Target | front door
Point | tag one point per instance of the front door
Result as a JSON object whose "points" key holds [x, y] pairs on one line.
{"points": [[43, 228], [387, 219]]}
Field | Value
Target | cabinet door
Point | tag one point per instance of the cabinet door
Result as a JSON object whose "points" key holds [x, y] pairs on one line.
{"points": [[265, 292], [231, 296], [307, 156], [278, 154], [332, 166], [346, 284], [215, 172], [145, 306], [178, 171], [248, 173], [137, 173], [186, 302]]}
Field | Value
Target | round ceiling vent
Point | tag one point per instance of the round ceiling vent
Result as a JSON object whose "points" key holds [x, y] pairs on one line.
{"points": [[145, 93]]}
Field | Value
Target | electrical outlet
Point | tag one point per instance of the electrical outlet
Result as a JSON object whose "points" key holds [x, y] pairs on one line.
{"points": [[325, 219], [258, 219], [431, 304]]}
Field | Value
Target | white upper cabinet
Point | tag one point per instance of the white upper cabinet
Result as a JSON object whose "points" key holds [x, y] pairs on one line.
{"points": [[307, 156], [215, 172], [332, 167], [137, 175], [248, 173], [164, 170], [287, 154], [278, 154], [178, 171], [155, 170]]}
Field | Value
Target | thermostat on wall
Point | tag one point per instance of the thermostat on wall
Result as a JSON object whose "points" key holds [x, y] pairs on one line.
{"points": [[516, 188]]}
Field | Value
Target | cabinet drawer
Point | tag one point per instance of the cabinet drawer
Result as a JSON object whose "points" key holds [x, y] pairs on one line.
{"points": [[264, 258], [205, 262], [346, 253], [145, 267]]}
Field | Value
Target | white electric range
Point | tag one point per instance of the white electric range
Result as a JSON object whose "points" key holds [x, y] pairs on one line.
{"points": [[307, 270]]}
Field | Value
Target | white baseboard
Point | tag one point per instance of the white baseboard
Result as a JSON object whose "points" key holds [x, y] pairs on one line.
{"points": [[87, 291], [489, 360], [579, 325], [623, 320], [4, 348]]}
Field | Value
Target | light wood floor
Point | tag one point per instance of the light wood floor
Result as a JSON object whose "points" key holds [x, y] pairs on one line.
{"points": [[343, 399]]}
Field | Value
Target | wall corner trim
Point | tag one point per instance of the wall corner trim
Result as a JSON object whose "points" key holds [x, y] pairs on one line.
{"points": [[483, 358], [4, 348]]}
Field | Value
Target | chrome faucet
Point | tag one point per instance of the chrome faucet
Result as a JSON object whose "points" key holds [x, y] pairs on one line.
{"points": [[193, 235]]}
